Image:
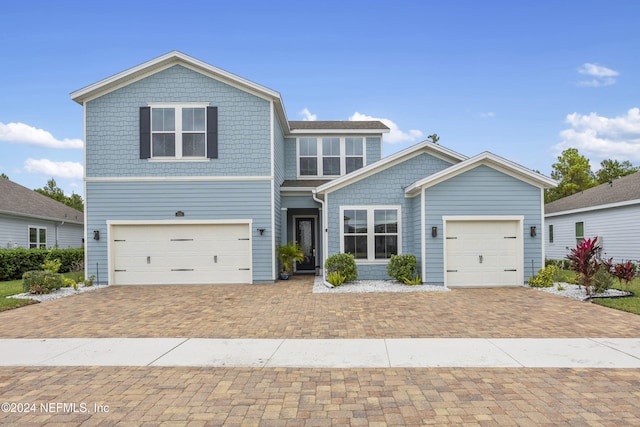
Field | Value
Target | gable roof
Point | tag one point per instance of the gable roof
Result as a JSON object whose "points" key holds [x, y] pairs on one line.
{"points": [[625, 189], [488, 159], [21, 201], [168, 60], [386, 162]]}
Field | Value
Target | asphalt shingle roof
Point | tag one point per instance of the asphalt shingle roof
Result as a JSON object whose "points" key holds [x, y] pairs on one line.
{"points": [[16, 199], [620, 190], [343, 124]]}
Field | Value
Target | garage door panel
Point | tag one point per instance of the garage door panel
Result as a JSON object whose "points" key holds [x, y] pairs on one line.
{"points": [[482, 253], [181, 254]]}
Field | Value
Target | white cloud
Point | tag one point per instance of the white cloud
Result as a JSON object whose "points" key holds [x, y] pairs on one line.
{"points": [[395, 135], [54, 169], [598, 137], [24, 134], [602, 76], [488, 114], [307, 116]]}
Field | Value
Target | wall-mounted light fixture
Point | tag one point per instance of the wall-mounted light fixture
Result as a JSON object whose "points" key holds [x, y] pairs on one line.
{"points": [[261, 231], [179, 213], [434, 231], [532, 231], [96, 234]]}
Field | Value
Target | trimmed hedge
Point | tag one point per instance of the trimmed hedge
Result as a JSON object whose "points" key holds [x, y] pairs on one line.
{"points": [[344, 264], [402, 267], [15, 262]]}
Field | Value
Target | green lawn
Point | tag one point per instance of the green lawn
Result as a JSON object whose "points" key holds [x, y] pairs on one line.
{"points": [[12, 287], [630, 304]]}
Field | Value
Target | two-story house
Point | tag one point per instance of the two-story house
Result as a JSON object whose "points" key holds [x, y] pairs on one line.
{"points": [[194, 176]]}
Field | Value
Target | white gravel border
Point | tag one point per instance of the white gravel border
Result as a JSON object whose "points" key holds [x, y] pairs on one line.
{"points": [[578, 293], [60, 293], [363, 286]]}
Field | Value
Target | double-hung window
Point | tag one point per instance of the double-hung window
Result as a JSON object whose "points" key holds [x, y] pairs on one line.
{"points": [[371, 233], [178, 131], [37, 237], [308, 154], [330, 156]]}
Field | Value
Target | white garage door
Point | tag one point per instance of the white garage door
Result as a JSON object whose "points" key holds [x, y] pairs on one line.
{"points": [[180, 254], [483, 253]]}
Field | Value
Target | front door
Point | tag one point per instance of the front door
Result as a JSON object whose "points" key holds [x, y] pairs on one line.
{"points": [[306, 237]]}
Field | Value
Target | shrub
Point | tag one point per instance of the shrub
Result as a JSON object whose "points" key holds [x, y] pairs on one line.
{"points": [[15, 262], [544, 278], [336, 278], [52, 265], [402, 267], [89, 281], [562, 264], [602, 279], [68, 282], [625, 272], [415, 281], [344, 264], [583, 261], [41, 282]]}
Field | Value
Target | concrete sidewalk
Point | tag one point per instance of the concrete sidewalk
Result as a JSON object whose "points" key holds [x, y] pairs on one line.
{"points": [[325, 353]]}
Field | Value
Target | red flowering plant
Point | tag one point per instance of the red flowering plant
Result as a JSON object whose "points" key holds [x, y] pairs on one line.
{"points": [[625, 272], [583, 260]]}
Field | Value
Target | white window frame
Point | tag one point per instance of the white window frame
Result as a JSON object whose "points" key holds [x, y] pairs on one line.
{"points": [[371, 235], [178, 107], [319, 155], [37, 243]]}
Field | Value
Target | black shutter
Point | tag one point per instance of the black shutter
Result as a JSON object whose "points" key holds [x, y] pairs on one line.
{"points": [[212, 132], [145, 132]]}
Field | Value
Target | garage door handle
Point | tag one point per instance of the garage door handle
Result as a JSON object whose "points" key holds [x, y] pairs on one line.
{"points": [[510, 269], [182, 269], [244, 238], [480, 258], [510, 237], [247, 269], [452, 271]]}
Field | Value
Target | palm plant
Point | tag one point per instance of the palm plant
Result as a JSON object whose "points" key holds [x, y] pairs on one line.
{"points": [[288, 254]]}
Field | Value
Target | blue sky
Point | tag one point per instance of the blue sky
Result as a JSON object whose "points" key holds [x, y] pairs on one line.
{"points": [[522, 79]]}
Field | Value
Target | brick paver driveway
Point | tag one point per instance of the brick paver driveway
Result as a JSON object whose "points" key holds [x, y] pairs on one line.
{"points": [[289, 396]]}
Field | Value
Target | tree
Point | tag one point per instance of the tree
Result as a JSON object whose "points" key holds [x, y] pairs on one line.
{"points": [[53, 191], [613, 169], [4, 175], [573, 174], [434, 138]]}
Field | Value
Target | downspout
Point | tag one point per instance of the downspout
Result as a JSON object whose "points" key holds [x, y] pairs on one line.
{"points": [[324, 231]]}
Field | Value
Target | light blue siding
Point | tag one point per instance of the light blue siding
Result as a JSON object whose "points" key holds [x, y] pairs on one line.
{"points": [[303, 202], [279, 172], [14, 232], [374, 147], [113, 134], [213, 200], [481, 191], [384, 188], [290, 160]]}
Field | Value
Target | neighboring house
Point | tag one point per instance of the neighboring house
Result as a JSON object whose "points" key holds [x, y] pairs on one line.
{"points": [[195, 175], [609, 211], [32, 220]]}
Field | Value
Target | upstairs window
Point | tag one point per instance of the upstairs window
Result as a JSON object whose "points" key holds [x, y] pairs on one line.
{"points": [[169, 131], [354, 154], [330, 156]]}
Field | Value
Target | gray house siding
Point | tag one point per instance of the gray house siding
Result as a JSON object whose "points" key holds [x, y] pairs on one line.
{"points": [[213, 200], [617, 227], [383, 188], [481, 191], [112, 128], [14, 232]]}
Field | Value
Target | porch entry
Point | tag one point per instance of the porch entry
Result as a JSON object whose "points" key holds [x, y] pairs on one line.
{"points": [[306, 237]]}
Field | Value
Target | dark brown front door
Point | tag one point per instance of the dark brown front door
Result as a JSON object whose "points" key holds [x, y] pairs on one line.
{"points": [[306, 237]]}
